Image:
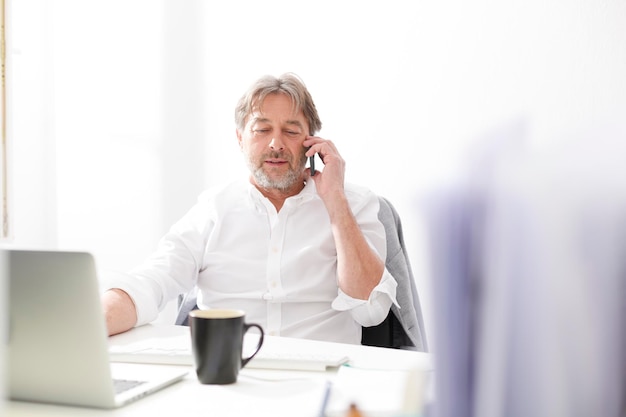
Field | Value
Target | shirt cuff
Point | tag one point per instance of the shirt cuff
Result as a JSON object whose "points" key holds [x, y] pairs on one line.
{"points": [[375, 309]]}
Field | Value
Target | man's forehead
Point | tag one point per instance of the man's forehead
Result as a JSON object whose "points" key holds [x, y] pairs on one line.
{"points": [[260, 118], [295, 116]]}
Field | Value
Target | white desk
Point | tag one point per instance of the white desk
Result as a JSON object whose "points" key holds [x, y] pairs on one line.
{"points": [[257, 392]]}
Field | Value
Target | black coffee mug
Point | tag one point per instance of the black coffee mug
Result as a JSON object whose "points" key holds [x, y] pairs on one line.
{"points": [[217, 343]]}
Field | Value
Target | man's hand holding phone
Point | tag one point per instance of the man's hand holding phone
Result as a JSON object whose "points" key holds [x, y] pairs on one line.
{"points": [[329, 181]]}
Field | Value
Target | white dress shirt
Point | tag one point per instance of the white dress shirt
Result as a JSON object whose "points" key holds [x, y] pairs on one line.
{"points": [[279, 267]]}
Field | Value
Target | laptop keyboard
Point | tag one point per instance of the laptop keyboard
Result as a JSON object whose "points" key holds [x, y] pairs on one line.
{"points": [[121, 385]]}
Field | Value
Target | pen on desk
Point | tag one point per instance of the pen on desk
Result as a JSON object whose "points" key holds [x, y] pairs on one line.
{"points": [[325, 399]]}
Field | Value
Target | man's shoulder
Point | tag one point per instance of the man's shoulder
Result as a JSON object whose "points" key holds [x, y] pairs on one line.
{"points": [[358, 192], [360, 196]]}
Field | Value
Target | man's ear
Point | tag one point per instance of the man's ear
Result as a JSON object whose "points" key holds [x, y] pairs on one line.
{"points": [[239, 139]]}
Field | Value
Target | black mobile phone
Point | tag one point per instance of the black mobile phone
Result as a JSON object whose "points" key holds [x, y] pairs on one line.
{"points": [[311, 162]]}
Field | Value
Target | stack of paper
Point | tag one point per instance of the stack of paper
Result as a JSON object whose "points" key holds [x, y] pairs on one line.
{"points": [[378, 392]]}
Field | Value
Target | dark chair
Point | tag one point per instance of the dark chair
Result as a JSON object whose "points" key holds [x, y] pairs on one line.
{"points": [[404, 327]]}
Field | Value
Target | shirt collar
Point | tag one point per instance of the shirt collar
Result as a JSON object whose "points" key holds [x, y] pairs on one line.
{"points": [[309, 192]]}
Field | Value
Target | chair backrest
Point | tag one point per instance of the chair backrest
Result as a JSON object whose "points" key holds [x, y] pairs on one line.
{"points": [[404, 326], [186, 303]]}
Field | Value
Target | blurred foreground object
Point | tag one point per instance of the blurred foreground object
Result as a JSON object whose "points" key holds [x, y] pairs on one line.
{"points": [[529, 279]]}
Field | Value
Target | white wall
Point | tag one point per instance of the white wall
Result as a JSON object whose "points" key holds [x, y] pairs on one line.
{"points": [[122, 110]]}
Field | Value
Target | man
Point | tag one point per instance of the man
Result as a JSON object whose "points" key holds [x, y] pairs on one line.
{"points": [[302, 254]]}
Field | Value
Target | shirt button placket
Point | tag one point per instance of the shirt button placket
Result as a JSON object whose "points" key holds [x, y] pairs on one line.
{"points": [[274, 319]]}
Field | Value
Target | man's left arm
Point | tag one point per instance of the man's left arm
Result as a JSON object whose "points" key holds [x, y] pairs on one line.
{"points": [[366, 288], [360, 268]]}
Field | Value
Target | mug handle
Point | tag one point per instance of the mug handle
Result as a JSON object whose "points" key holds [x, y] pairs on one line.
{"points": [[247, 327]]}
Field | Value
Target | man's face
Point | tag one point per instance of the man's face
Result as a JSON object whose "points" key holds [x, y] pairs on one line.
{"points": [[272, 143]]}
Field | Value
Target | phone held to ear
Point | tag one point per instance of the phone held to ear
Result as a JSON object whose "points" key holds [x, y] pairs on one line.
{"points": [[312, 164]]}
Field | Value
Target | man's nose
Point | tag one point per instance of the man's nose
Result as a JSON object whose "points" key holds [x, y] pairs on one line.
{"points": [[277, 144]]}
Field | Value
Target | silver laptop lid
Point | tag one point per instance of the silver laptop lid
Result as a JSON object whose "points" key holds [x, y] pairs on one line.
{"points": [[57, 350]]}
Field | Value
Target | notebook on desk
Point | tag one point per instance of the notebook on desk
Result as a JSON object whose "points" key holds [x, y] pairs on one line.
{"points": [[57, 347]]}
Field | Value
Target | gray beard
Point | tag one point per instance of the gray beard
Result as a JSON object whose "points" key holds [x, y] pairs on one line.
{"points": [[292, 177]]}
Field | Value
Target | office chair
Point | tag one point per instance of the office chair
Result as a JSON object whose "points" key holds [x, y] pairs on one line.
{"points": [[404, 327]]}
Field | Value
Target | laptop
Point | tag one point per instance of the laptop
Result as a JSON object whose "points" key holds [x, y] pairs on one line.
{"points": [[57, 342]]}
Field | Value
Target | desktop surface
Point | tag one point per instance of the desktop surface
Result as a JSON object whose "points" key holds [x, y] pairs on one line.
{"points": [[271, 392]]}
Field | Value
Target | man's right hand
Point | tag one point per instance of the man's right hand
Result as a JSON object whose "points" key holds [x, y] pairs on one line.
{"points": [[119, 311]]}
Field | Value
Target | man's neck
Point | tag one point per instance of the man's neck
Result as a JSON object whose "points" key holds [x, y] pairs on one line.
{"points": [[278, 196]]}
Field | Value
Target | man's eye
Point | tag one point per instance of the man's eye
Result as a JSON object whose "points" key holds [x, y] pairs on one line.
{"points": [[261, 130]]}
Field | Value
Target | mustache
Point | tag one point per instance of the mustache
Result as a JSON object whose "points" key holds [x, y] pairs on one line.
{"points": [[278, 155]]}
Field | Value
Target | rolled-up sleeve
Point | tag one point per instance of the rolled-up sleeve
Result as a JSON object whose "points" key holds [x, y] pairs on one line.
{"points": [[141, 291], [171, 270], [371, 312], [374, 310]]}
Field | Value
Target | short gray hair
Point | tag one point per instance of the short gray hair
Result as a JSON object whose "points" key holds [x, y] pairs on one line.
{"points": [[289, 84]]}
